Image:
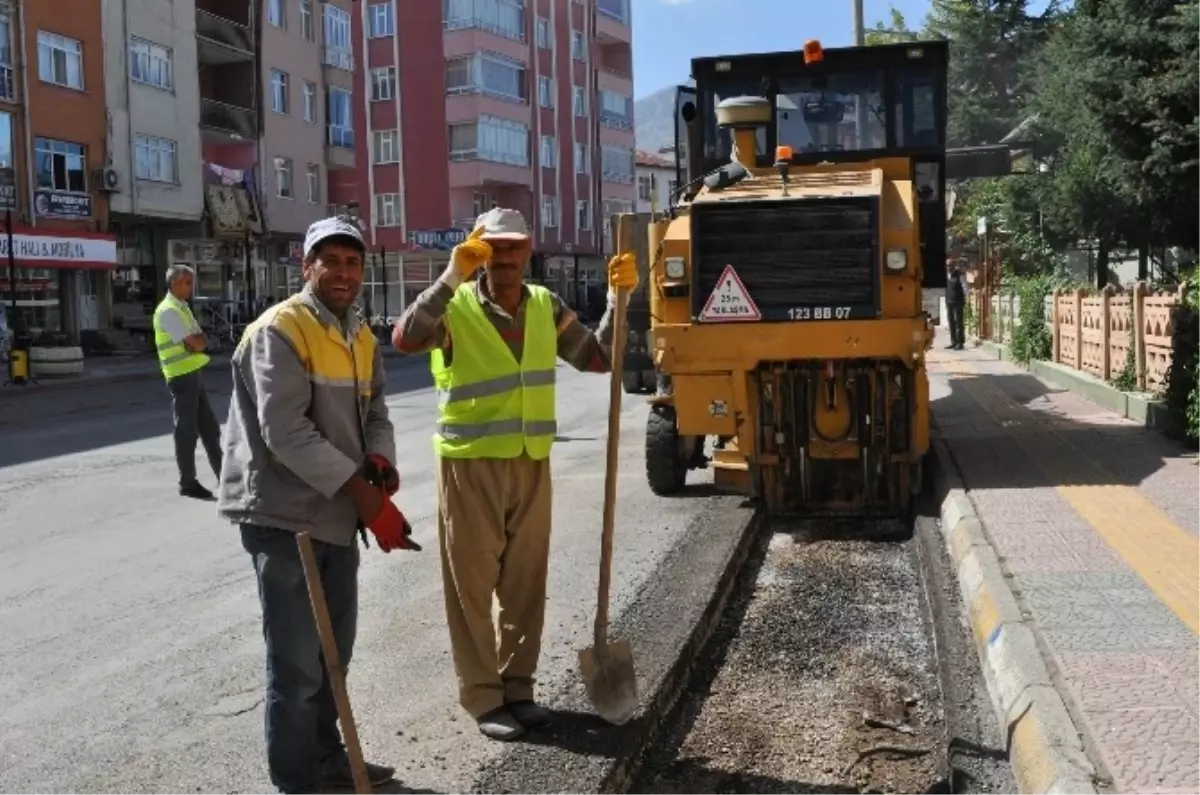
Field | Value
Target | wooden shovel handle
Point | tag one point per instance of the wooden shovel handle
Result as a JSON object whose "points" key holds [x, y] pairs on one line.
{"points": [[333, 664], [622, 243]]}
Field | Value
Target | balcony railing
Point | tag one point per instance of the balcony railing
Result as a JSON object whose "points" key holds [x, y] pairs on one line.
{"points": [[230, 118], [341, 137], [224, 31], [8, 90], [339, 58], [615, 121]]}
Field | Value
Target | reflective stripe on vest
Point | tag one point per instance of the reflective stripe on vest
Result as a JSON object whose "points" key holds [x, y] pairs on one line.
{"points": [[489, 405], [173, 357]]}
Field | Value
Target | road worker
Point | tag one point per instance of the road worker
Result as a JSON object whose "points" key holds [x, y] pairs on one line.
{"points": [[308, 433], [494, 344], [181, 344]]}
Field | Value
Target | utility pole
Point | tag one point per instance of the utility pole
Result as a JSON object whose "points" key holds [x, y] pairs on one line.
{"points": [[860, 108]]}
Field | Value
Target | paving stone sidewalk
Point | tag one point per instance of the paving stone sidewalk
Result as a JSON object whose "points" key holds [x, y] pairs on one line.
{"points": [[1096, 520]]}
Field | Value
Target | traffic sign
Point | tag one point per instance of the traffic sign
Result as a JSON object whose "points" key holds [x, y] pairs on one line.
{"points": [[730, 301]]}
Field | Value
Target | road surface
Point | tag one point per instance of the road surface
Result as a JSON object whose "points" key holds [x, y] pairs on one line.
{"points": [[132, 649]]}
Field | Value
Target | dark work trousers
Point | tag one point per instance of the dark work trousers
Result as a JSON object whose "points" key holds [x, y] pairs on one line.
{"points": [[958, 334], [194, 418], [301, 718]]}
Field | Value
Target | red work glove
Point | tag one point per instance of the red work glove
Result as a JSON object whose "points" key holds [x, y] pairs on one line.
{"points": [[391, 529], [388, 474]]}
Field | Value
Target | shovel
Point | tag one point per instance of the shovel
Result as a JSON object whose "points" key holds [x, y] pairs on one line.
{"points": [[607, 668]]}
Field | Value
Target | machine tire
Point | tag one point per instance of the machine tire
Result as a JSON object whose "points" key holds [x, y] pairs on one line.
{"points": [[631, 381], [666, 472]]}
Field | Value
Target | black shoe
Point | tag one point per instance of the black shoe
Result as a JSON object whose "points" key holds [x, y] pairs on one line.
{"points": [[339, 776], [196, 491], [529, 714]]}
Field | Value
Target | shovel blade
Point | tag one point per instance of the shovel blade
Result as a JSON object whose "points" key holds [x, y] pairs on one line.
{"points": [[610, 681]]}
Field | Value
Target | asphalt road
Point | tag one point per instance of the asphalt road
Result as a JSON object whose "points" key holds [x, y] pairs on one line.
{"points": [[131, 637]]}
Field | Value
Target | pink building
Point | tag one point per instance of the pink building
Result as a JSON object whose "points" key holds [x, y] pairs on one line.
{"points": [[467, 104]]}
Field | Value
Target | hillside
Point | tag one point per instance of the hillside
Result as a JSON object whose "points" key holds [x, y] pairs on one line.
{"points": [[654, 118]]}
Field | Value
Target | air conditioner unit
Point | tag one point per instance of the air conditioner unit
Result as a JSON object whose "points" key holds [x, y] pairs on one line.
{"points": [[107, 179]]}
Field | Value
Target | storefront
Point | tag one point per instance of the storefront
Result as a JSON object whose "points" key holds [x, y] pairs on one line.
{"points": [[62, 280]]}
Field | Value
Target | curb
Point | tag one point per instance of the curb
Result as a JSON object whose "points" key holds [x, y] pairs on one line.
{"points": [[1045, 748]]}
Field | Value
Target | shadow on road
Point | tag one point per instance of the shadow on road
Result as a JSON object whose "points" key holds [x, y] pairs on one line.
{"points": [[35, 427]]}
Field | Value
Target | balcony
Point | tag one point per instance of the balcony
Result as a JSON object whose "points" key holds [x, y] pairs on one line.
{"points": [[221, 40], [339, 147], [338, 58], [469, 170], [231, 120], [612, 22]]}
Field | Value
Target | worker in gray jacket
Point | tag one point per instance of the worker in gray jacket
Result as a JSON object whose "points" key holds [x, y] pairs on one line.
{"points": [[308, 447]]}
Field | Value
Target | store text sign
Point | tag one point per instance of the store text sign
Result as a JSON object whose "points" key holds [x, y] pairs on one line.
{"points": [[54, 251]]}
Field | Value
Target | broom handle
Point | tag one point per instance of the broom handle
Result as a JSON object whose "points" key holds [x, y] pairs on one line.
{"points": [[622, 243], [333, 665]]}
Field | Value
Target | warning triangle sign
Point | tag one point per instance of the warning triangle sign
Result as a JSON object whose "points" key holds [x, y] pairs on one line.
{"points": [[730, 301]]}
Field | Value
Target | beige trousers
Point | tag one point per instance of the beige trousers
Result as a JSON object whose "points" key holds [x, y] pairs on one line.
{"points": [[494, 532]]}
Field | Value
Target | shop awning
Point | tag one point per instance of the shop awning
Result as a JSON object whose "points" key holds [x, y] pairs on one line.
{"points": [[35, 248]]}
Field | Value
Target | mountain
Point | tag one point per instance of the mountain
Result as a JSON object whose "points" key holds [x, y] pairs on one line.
{"points": [[654, 119]]}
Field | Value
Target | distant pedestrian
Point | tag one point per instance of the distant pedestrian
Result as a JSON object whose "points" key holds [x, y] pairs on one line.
{"points": [[309, 448], [956, 300], [181, 344], [495, 341]]}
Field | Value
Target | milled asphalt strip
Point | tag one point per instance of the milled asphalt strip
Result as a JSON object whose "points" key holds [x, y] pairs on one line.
{"points": [[667, 624], [1045, 747]]}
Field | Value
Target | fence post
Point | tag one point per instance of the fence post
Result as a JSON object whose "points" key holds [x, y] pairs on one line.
{"points": [[1105, 306], [1138, 340], [1079, 292], [1055, 336]]}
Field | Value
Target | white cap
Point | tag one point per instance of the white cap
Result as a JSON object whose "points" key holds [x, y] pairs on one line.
{"points": [[501, 224], [331, 227]]}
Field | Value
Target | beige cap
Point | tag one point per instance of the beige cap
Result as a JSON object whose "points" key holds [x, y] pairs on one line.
{"points": [[501, 224]]}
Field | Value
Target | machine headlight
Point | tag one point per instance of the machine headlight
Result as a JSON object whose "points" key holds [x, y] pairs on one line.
{"points": [[675, 269], [897, 259]]}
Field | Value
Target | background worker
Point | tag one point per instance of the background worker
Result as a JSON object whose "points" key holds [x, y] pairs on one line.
{"points": [[495, 344], [298, 459], [956, 303], [181, 343]]}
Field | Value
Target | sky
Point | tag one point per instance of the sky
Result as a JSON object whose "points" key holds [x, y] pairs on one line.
{"points": [[662, 52]]}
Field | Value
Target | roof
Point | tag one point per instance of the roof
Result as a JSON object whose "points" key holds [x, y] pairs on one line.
{"points": [[644, 158]]}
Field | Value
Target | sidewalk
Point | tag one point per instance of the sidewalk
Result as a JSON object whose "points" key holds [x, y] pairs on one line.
{"points": [[1095, 523]]}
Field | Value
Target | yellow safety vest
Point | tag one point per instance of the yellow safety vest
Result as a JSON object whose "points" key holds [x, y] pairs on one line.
{"points": [[490, 405], [173, 357]]}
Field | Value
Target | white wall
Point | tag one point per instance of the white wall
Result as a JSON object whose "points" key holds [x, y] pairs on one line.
{"points": [[173, 114], [664, 176]]}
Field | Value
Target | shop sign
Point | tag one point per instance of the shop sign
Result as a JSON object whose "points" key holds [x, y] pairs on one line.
{"points": [[8, 189], [52, 204], [60, 251], [436, 239]]}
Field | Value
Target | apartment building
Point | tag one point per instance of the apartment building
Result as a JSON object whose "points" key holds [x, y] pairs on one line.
{"points": [[52, 152], [656, 179], [535, 112]]}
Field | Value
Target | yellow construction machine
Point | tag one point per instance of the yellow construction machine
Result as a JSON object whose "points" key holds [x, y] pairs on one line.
{"points": [[788, 318]]}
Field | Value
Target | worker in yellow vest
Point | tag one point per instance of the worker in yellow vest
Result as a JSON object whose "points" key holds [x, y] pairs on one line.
{"points": [[181, 343], [494, 345]]}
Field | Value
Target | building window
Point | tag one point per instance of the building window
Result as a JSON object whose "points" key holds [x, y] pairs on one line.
{"points": [[341, 118], [275, 13], [549, 150], [545, 91], [339, 47], [549, 211], [643, 187], [310, 101], [61, 165], [387, 209], [491, 138], [6, 140], [387, 146], [156, 159], [616, 110], [487, 73], [616, 164], [60, 60], [617, 9], [283, 177], [314, 184], [579, 100], [544, 39], [382, 19], [7, 87], [583, 215], [503, 17], [577, 45], [582, 161], [279, 91], [383, 83], [306, 21], [150, 63], [480, 203]]}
